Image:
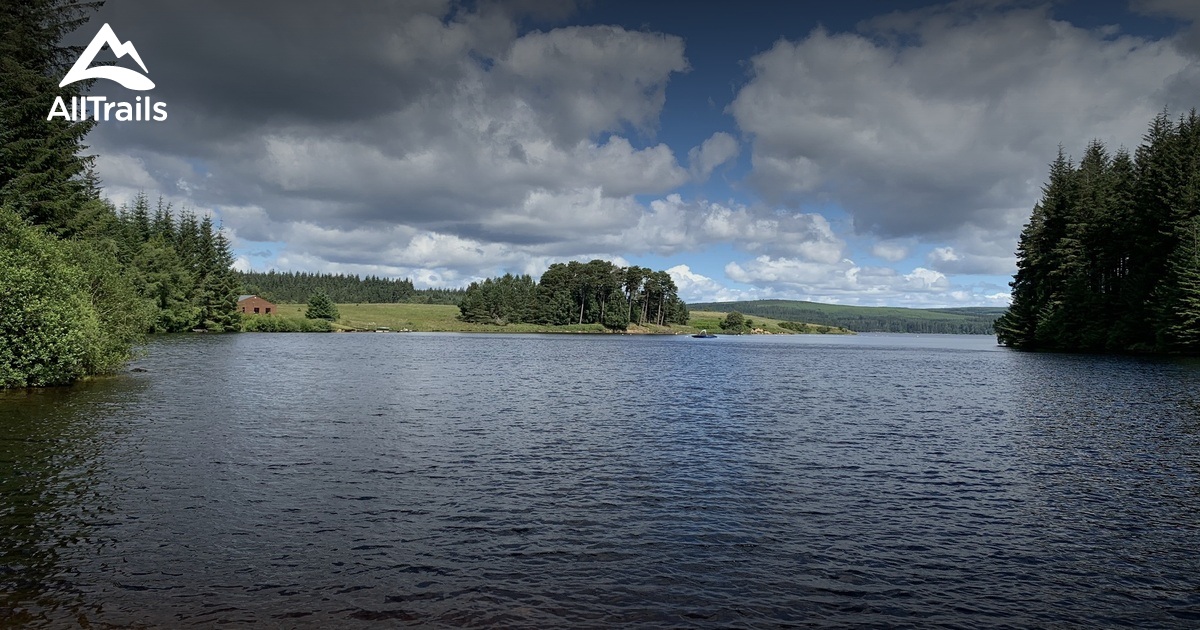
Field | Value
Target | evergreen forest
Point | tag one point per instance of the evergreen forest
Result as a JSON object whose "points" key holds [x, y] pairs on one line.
{"points": [[597, 292], [80, 280], [941, 321], [1110, 258], [292, 287]]}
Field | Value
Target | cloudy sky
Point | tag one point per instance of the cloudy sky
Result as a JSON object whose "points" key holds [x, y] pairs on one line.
{"points": [[859, 152]]}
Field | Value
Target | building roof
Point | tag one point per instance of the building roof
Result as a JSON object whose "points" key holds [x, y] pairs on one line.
{"points": [[245, 297]]}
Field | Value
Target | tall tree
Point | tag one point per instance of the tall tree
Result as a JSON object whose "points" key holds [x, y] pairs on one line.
{"points": [[1108, 259], [41, 161], [321, 307], [66, 309], [1181, 330], [596, 292]]}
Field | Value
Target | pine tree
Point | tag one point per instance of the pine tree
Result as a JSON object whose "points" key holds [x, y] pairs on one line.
{"points": [[41, 161], [1109, 259], [1156, 194], [321, 307], [167, 284], [1181, 330], [1017, 326]]}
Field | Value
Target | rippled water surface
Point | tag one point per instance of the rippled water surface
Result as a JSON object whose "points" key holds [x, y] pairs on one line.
{"points": [[604, 481]]}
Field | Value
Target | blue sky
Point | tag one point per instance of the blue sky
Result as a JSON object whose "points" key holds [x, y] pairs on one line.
{"points": [[855, 152]]}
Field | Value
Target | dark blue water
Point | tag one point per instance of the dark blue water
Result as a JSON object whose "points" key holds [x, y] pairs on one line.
{"points": [[604, 481]]}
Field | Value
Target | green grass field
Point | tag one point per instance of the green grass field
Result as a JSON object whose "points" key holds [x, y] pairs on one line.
{"points": [[711, 321], [444, 318], [424, 318]]}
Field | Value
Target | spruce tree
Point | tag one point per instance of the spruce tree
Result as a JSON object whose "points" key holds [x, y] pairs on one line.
{"points": [[1110, 259], [41, 161], [1016, 327], [1156, 194], [1181, 330], [321, 307]]}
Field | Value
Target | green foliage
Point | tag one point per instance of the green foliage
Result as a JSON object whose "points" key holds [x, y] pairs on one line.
{"points": [[123, 315], [1108, 260], [1182, 320], [816, 329], [976, 321], [180, 265], [167, 284], [50, 330], [508, 299], [272, 323], [295, 287], [40, 161], [68, 308], [735, 323], [597, 292], [321, 307]]}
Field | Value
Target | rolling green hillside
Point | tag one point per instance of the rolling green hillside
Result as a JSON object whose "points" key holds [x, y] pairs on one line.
{"points": [[975, 321]]}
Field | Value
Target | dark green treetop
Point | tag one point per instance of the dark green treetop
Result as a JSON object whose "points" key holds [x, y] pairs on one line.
{"points": [[321, 307]]}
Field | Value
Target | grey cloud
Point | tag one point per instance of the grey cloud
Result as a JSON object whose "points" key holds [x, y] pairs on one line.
{"points": [[943, 118], [847, 283], [718, 149], [433, 115], [603, 77], [672, 225]]}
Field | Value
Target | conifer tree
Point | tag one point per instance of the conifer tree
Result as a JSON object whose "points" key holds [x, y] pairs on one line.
{"points": [[1181, 331], [1109, 259], [321, 307], [41, 161]]}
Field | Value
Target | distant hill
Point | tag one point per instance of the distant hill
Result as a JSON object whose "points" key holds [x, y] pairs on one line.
{"points": [[970, 321]]}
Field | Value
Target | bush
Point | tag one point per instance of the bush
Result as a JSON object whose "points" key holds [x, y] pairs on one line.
{"points": [[273, 323], [49, 329], [735, 323]]}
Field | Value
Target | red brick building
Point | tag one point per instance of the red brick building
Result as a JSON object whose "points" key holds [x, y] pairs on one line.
{"points": [[254, 305]]}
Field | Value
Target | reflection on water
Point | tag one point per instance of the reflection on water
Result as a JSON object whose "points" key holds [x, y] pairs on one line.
{"points": [[450, 480], [55, 493]]}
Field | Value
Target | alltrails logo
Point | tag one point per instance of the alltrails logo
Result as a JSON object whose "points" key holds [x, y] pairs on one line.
{"points": [[98, 107]]}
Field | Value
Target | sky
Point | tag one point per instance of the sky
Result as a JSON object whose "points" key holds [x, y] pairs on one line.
{"points": [[858, 152]]}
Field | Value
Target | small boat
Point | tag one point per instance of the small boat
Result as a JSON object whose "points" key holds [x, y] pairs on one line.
{"points": [[703, 334]]}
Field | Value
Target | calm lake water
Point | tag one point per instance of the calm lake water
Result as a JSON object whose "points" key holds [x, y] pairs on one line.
{"points": [[445, 480]]}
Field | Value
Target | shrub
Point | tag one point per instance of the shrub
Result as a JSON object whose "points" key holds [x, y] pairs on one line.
{"points": [[273, 323]]}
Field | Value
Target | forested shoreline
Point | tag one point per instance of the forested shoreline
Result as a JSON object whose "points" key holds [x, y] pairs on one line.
{"points": [[596, 292], [1110, 258], [953, 321], [1109, 261], [84, 281], [296, 287]]}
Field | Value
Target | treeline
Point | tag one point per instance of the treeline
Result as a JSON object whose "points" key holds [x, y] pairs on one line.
{"points": [[597, 292], [75, 295], [1110, 258], [957, 321], [180, 265], [812, 329], [291, 287], [81, 282]]}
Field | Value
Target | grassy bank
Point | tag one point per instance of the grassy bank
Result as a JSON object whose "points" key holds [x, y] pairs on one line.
{"points": [[711, 321], [444, 318], [423, 318]]}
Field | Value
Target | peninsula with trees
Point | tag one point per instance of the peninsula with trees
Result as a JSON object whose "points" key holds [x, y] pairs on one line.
{"points": [[1110, 258]]}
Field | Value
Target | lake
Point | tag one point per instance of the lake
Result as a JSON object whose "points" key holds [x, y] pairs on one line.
{"points": [[442, 480]]}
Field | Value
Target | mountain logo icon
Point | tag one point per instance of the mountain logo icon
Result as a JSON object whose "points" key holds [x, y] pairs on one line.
{"points": [[130, 79]]}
